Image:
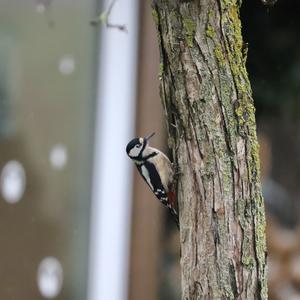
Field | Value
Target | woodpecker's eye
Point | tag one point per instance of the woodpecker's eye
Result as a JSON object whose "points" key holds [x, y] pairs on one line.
{"points": [[138, 145]]}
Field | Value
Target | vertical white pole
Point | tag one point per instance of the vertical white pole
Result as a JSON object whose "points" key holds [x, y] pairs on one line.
{"points": [[112, 179]]}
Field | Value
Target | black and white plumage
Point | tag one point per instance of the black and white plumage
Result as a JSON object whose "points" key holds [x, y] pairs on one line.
{"points": [[156, 169]]}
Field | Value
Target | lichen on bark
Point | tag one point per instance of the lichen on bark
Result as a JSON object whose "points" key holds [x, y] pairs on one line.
{"points": [[210, 115]]}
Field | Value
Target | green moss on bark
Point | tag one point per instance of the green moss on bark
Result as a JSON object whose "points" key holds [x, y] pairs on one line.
{"points": [[190, 27]]}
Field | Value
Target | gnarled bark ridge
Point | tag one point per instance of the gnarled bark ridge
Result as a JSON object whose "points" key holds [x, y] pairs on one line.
{"points": [[210, 114]]}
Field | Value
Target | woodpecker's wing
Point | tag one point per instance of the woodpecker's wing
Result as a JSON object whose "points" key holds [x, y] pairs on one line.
{"points": [[150, 175], [162, 163]]}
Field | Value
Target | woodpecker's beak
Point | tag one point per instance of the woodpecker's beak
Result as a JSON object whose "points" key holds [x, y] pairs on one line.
{"points": [[148, 137]]}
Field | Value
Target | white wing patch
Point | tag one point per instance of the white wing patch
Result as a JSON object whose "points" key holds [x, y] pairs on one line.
{"points": [[145, 174]]}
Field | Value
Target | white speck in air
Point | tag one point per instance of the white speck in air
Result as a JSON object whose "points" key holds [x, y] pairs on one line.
{"points": [[50, 277], [66, 65], [12, 181], [58, 156], [40, 8]]}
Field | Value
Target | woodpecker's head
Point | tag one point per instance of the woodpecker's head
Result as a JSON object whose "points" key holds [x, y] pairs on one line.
{"points": [[136, 147]]}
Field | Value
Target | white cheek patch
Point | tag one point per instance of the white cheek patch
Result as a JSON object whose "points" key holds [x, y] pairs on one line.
{"points": [[134, 152], [146, 176]]}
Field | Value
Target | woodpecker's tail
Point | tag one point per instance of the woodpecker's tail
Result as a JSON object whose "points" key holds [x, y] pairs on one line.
{"points": [[175, 216], [172, 206]]}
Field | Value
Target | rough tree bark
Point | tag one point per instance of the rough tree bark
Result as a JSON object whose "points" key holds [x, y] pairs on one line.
{"points": [[210, 114]]}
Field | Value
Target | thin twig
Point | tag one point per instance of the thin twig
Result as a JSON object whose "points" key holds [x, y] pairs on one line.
{"points": [[104, 19]]}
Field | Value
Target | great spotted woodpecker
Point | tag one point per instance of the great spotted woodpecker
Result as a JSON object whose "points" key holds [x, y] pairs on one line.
{"points": [[156, 169]]}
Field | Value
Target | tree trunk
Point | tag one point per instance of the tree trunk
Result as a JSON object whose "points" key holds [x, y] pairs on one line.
{"points": [[210, 115]]}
